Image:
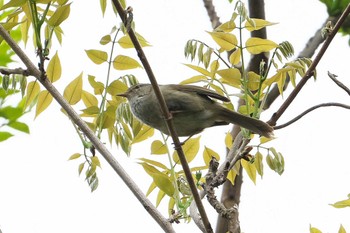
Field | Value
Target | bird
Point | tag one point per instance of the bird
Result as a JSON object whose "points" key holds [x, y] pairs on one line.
{"points": [[193, 109]]}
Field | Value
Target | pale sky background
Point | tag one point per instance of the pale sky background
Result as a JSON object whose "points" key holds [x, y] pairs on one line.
{"points": [[41, 192]]}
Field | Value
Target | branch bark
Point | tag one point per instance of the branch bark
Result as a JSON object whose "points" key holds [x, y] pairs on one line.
{"points": [[33, 71]]}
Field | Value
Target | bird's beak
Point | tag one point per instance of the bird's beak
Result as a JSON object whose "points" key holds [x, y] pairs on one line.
{"points": [[122, 94]]}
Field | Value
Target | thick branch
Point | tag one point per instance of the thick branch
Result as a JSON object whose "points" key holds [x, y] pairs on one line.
{"points": [[32, 70], [167, 116]]}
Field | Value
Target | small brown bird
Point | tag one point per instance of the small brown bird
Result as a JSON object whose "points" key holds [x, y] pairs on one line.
{"points": [[193, 109]]}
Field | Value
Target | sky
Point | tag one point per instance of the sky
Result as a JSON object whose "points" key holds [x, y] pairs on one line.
{"points": [[41, 191]]}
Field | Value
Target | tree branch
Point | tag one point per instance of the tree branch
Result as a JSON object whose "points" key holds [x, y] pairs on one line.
{"points": [[167, 116], [310, 110], [7, 71], [33, 71], [340, 84], [310, 71], [213, 17]]}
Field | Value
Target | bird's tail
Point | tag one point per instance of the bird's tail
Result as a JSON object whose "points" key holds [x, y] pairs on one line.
{"points": [[252, 124]]}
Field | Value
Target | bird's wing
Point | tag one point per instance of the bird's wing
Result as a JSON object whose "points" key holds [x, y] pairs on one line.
{"points": [[200, 91]]}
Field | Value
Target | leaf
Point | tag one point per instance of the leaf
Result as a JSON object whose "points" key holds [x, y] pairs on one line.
{"points": [[341, 204], [80, 168], [226, 41], [20, 126], [54, 69], [145, 132], [253, 80], [13, 3], [89, 99], [235, 57], [314, 230], [154, 163], [33, 90], [341, 229], [44, 100], [231, 176], [227, 26], [160, 197], [194, 79], [105, 40], [231, 76], [95, 161], [257, 24], [98, 86], [250, 169], [164, 183], [103, 5], [116, 87], [199, 69], [72, 93], [4, 136], [122, 62], [256, 45], [208, 154], [74, 156], [97, 56], [158, 148], [190, 149], [258, 163], [61, 14], [125, 41]]}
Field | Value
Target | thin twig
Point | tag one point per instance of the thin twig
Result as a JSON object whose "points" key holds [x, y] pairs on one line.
{"points": [[167, 117], [7, 71], [340, 84], [310, 71], [309, 110], [33, 71]]}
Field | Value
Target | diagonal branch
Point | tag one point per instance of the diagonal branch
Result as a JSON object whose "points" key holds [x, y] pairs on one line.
{"points": [[340, 84], [167, 116], [33, 71], [309, 73]]}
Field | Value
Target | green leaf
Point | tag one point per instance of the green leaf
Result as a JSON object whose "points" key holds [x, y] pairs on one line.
{"points": [[4, 136], [72, 93], [199, 69], [256, 45], [61, 14], [13, 3], [158, 148], [122, 62], [19, 126], [11, 113], [226, 41], [44, 100], [54, 69], [105, 40], [103, 5], [190, 149], [97, 56], [208, 154], [98, 86], [80, 168], [231, 76], [95, 161], [164, 183], [74, 156]]}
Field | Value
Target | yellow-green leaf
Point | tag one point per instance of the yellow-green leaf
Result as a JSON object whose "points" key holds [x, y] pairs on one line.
{"points": [[231, 176], [74, 156], [227, 26], [256, 24], [341, 229], [164, 183], [208, 154], [13, 3], [253, 80], [98, 86], [256, 45], [342, 204], [154, 163], [54, 69], [258, 163], [160, 197], [97, 56], [145, 132], [61, 14], [194, 79], [33, 90], [190, 149], [250, 169], [89, 99], [72, 93], [122, 62], [226, 41], [125, 41], [44, 100], [117, 87], [95, 161], [314, 230], [105, 40], [231, 76], [228, 140], [80, 168], [158, 148], [235, 57], [199, 69]]}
